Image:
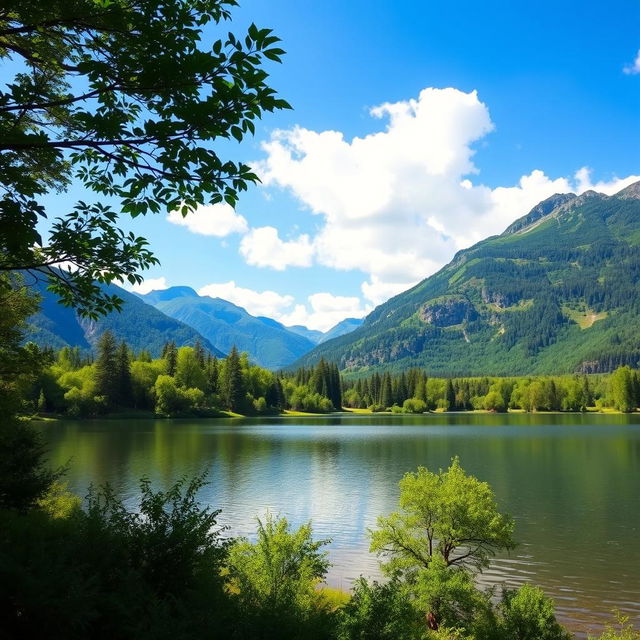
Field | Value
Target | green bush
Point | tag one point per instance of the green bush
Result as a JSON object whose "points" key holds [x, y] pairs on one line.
{"points": [[414, 405]]}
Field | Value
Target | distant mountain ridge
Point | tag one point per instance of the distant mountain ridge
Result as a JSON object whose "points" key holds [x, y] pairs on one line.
{"points": [[557, 292], [140, 325], [268, 343]]}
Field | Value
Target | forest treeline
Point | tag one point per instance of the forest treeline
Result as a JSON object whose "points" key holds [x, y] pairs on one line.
{"points": [[183, 381], [192, 381], [415, 392]]}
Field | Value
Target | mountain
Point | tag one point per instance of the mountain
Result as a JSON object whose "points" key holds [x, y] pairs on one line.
{"points": [[313, 335], [342, 328], [268, 343], [557, 292], [318, 337], [139, 324]]}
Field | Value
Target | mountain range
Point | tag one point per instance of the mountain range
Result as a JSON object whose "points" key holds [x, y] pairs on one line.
{"points": [[557, 292], [140, 325], [269, 343], [178, 314]]}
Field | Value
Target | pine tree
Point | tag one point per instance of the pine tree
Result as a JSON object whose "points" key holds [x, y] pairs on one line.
{"points": [[403, 389], [450, 396], [232, 386], [123, 372], [336, 387], [171, 356], [212, 375], [199, 353], [106, 368], [386, 394]]}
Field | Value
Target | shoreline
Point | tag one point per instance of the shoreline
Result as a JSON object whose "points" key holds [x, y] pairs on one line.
{"points": [[226, 415]]}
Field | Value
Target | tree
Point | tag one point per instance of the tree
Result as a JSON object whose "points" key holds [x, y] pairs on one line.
{"points": [[108, 571], [379, 611], [188, 372], [170, 354], [386, 393], [527, 614], [123, 373], [622, 391], [450, 396], [448, 513], [126, 97], [106, 369], [276, 578], [447, 528], [232, 383], [24, 479]]}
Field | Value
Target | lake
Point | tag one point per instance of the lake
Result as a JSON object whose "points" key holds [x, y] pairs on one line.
{"points": [[570, 481]]}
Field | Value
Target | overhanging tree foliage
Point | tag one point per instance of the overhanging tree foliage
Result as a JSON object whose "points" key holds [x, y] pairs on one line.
{"points": [[126, 98]]}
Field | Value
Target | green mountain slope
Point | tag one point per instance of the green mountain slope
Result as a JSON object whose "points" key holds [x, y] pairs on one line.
{"points": [[140, 325], [268, 343], [558, 291]]}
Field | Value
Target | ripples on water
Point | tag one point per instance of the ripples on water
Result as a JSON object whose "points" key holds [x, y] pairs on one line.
{"points": [[570, 481]]}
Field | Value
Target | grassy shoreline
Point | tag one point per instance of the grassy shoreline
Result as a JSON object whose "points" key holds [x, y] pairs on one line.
{"points": [[209, 415]]}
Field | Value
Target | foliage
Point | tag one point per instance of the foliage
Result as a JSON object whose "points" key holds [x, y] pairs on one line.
{"points": [[379, 611], [447, 529], [112, 573], [446, 514], [527, 614], [622, 630], [126, 98], [24, 477], [276, 578], [548, 393]]}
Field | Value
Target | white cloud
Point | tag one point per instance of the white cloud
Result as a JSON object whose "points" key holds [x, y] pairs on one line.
{"points": [[262, 247], [378, 292], [149, 284], [634, 67], [257, 303], [398, 203], [218, 220], [325, 312], [583, 183]]}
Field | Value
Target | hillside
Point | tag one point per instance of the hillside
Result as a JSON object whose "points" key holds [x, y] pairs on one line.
{"points": [[140, 325], [557, 292], [268, 343]]}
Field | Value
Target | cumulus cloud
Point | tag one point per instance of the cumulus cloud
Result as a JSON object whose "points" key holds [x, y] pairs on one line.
{"points": [[634, 67], [584, 183], [262, 247], [149, 284], [257, 303], [398, 203], [324, 311], [321, 310], [218, 220]]}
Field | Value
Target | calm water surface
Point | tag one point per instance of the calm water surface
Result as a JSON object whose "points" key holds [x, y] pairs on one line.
{"points": [[570, 481]]}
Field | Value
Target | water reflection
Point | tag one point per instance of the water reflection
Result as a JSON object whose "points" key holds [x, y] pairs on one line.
{"points": [[571, 482]]}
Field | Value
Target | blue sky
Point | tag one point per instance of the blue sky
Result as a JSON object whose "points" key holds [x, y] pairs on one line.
{"points": [[490, 107]]}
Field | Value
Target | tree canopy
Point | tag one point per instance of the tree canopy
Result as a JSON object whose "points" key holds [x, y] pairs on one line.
{"points": [[125, 97], [448, 514]]}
